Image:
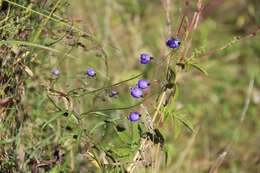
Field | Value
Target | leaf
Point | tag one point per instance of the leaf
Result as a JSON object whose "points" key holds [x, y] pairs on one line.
{"points": [[123, 136], [96, 126], [185, 123], [159, 136], [120, 128], [180, 112], [171, 107], [74, 117], [7, 141], [17, 42], [167, 117], [99, 114], [171, 75], [135, 133], [199, 68], [169, 149], [58, 114], [28, 71], [54, 169], [122, 151], [176, 128]]}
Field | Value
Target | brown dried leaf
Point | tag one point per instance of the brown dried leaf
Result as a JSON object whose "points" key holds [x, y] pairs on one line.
{"points": [[28, 70]]}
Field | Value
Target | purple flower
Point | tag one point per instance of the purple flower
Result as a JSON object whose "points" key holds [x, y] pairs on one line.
{"points": [[113, 93], [134, 116], [136, 92], [143, 84], [173, 43], [55, 71], [90, 72], [145, 58]]}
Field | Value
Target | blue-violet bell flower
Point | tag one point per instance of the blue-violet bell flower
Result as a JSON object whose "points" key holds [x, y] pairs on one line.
{"points": [[173, 43], [55, 71], [113, 93], [143, 84], [145, 58], [134, 116], [136, 92], [90, 72]]}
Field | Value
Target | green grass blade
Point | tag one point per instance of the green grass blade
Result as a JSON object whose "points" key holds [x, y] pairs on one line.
{"points": [[20, 43]]}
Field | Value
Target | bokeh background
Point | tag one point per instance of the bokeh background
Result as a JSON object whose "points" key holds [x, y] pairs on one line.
{"points": [[212, 103]]}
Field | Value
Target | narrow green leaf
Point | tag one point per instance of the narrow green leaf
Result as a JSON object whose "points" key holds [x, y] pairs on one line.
{"points": [[180, 112], [17, 42], [171, 106], [96, 126], [185, 123], [176, 128], [56, 115], [123, 136], [122, 152], [176, 94], [171, 75], [135, 133], [168, 117], [201, 69], [100, 114], [8, 141]]}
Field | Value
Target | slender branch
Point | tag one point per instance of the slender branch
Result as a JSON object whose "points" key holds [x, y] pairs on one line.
{"points": [[106, 87], [118, 108]]}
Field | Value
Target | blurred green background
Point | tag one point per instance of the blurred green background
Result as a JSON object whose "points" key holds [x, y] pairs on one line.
{"points": [[213, 103]]}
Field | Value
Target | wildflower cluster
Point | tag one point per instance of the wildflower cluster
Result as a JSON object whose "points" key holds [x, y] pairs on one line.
{"points": [[137, 91]]}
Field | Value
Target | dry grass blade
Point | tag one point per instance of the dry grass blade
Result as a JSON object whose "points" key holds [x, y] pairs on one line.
{"points": [[218, 162], [247, 102]]}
